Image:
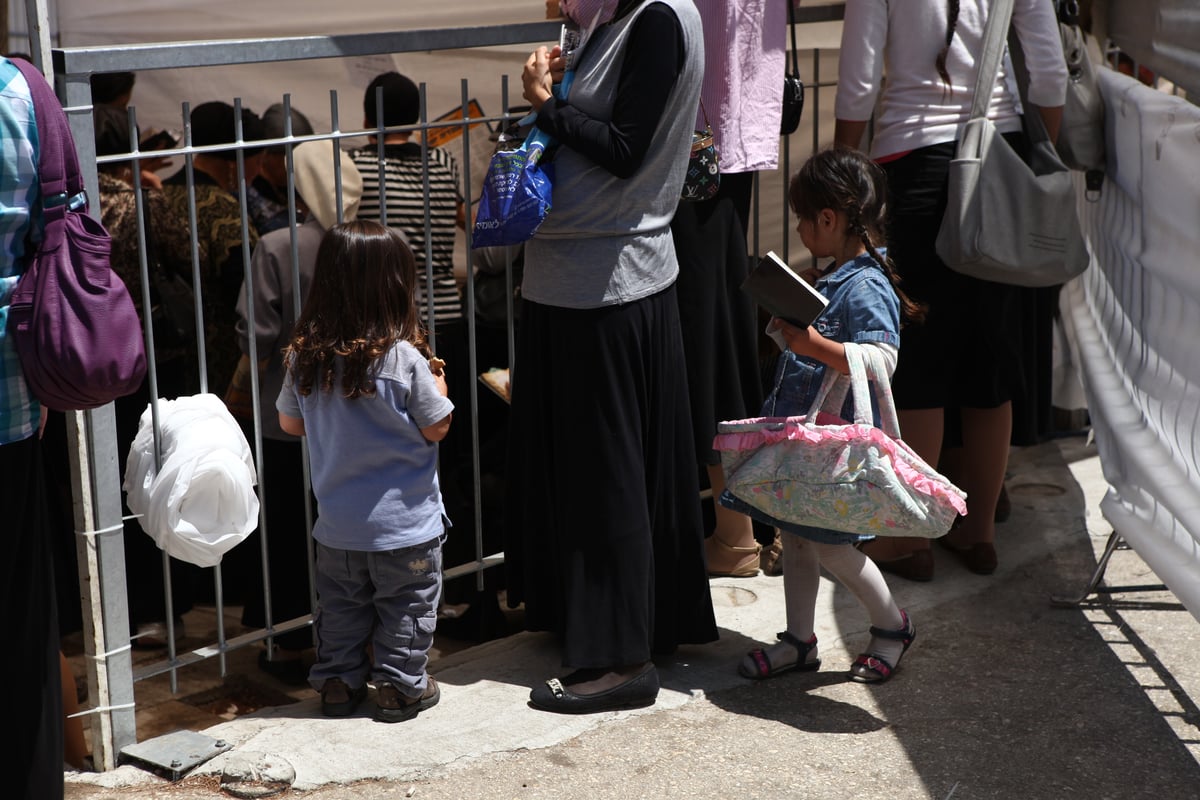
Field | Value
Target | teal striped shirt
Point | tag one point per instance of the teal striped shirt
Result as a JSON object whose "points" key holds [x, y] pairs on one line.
{"points": [[20, 212]]}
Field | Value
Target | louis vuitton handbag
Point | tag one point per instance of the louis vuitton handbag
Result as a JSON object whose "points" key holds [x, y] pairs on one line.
{"points": [[703, 177]]}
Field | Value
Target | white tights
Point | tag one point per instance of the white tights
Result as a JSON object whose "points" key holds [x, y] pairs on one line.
{"points": [[802, 562]]}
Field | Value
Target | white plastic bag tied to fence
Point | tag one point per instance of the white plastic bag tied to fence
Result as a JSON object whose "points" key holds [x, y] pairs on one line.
{"points": [[201, 503]]}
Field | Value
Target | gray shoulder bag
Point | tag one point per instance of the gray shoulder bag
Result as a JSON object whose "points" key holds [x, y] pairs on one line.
{"points": [[1007, 220]]}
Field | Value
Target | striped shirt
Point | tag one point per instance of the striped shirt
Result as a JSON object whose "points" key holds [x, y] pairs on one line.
{"points": [[20, 210], [405, 207]]}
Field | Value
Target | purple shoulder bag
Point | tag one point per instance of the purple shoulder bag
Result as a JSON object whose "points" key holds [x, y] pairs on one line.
{"points": [[74, 325]]}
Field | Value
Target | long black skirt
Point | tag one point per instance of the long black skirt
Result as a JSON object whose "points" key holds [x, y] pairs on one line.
{"points": [[719, 321], [604, 545], [35, 710]]}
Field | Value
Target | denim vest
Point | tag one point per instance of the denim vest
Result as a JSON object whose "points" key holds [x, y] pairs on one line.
{"points": [[863, 307]]}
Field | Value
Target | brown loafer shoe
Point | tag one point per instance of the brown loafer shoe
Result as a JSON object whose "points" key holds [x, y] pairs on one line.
{"points": [[979, 557], [1003, 506], [916, 566]]}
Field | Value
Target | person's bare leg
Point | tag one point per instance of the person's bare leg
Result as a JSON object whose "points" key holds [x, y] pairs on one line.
{"points": [[75, 749], [921, 429], [951, 466], [731, 549], [987, 433]]}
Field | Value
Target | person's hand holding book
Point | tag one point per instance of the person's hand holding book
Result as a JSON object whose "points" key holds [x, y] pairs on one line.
{"points": [[807, 342]]}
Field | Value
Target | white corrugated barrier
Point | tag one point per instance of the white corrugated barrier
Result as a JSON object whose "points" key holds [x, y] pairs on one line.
{"points": [[1134, 318]]}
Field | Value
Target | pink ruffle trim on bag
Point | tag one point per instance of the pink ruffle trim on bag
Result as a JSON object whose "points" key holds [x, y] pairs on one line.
{"points": [[832, 474], [830, 428]]}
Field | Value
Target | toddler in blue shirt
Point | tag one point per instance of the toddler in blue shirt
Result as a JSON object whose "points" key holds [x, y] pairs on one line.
{"points": [[364, 389]]}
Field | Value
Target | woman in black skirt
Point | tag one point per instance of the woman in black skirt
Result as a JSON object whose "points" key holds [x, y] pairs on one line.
{"points": [[605, 546]]}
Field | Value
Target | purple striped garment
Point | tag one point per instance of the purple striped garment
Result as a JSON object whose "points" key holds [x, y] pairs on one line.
{"points": [[742, 93]]}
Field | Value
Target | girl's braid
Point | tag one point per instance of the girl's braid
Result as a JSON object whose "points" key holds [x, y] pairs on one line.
{"points": [[910, 310]]}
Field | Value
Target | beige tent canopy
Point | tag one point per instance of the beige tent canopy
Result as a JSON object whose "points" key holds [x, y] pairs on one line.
{"points": [[159, 93]]}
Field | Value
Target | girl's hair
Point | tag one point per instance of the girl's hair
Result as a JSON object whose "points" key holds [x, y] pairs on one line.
{"points": [[951, 24], [360, 304], [845, 180]]}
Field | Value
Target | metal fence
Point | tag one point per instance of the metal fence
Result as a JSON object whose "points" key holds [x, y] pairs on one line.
{"points": [[95, 460]]}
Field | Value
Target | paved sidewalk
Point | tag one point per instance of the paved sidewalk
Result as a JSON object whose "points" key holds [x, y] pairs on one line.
{"points": [[1002, 695]]}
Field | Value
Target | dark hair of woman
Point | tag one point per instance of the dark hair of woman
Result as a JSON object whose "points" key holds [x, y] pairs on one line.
{"points": [[951, 24], [360, 304], [845, 180]]}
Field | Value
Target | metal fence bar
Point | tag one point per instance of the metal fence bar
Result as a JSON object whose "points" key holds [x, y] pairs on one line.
{"points": [[472, 355], [225, 52], [98, 504]]}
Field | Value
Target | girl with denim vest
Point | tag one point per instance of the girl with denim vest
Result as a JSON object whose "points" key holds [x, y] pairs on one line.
{"points": [[839, 198]]}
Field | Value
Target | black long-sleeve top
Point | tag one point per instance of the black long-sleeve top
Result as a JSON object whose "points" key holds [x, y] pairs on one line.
{"points": [[653, 60]]}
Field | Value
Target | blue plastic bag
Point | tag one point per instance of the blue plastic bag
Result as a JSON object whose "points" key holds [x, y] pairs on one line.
{"points": [[516, 194], [517, 187]]}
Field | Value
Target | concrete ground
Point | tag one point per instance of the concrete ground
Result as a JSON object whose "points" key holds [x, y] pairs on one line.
{"points": [[1003, 695]]}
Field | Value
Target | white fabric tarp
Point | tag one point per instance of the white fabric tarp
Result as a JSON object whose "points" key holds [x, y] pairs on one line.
{"points": [[158, 94], [1135, 320]]}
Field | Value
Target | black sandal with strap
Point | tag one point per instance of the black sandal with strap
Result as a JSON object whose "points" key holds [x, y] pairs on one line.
{"points": [[762, 665], [870, 668]]}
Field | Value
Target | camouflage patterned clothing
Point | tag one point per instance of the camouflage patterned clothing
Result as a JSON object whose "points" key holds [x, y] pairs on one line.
{"points": [[219, 230], [118, 213]]}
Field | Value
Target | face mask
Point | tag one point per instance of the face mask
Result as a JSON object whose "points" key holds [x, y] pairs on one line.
{"points": [[589, 13]]}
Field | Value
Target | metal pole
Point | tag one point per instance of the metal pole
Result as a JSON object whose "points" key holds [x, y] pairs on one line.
{"points": [[37, 19], [96, 487]]}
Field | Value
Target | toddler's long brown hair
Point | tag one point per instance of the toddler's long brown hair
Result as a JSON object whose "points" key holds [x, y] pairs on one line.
{"points": [[362, 301], [846, 180]]}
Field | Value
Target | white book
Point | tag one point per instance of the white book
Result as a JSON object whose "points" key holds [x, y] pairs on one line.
{"points": [[781, 291]]}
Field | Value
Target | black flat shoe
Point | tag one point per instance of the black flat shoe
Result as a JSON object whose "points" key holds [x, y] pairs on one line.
{"points": [[639, 691]]}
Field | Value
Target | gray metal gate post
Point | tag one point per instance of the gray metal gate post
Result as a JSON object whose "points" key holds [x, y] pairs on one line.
{"points": [[98, 509]]}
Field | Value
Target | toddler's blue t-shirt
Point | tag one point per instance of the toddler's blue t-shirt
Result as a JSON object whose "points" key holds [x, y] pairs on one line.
{"points": [[374, 474]]}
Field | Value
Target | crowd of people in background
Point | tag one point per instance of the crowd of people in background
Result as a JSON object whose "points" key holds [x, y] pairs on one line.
{"points": [[633, 342]]}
